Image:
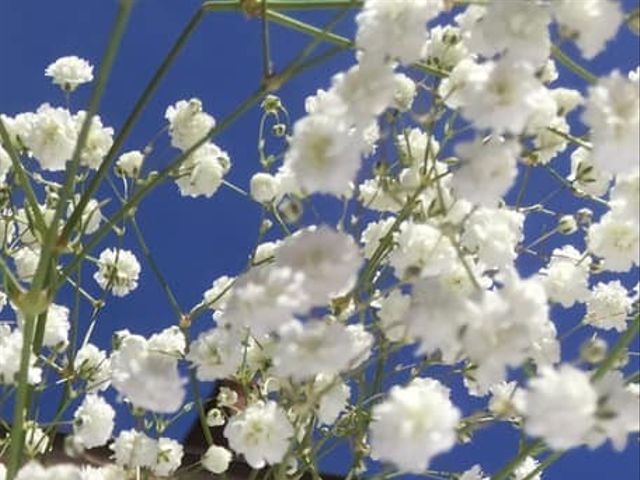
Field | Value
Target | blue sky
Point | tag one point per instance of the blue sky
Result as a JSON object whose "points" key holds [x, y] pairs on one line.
{"points": [[197, 240]]}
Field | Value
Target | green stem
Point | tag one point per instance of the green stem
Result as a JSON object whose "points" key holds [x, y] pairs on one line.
{"points": [[525, 452], [618, 350], [568, 62]]}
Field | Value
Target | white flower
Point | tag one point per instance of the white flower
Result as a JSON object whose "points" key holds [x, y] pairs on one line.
{"points": [[10, 354], [525, 468], [146, 372], [91, 215], [34, 471], [327, 260], [304, 350], [216, 459], [625, 196], [26, 260], [169, 457], [56, 329], [586, 175], [422, 249], [264, 187], [506, 399], [392, 311], [395, 30], [492, 164], [413, 145], [5, 164], [70, 72], [517, 27], [474, 473], [466, 78], [414, 424], [92, 365], [265, 298], [261, 433], [445, 48], [608, 306], [134, 449], [118, 271], [494, 235], [618, 414], [616, 240], [216, 354], [52, 137], [93, 422], [324, 154], [560, 407], [202, 172], [592, 23], [505, 98], [188, 124], [566, 278], [218, 295], [98, 141], [406, 92], [335, 395], [613, 113], [373, 234], [130, 163]]}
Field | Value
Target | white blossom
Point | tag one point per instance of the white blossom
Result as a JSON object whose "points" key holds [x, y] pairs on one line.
{"points": [[617, 240], [52, 137], [70, 72], [134, 449], [188, 123], [93, 422], [216, 459], [566, 278], [130, 163], [261, 433], [169, 457], [608, 306], [216, 353], [203, 171], [414, 424], [118, 271]]}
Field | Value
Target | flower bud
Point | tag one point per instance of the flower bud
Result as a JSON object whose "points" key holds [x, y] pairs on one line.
{"points": [[593, 350], [264, 187], [567, 225]]}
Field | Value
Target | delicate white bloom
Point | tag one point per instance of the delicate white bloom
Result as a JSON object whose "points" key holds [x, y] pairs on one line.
{"points": [[202, 172], [264, 187], [146, 374], [56, 329], [422, 249], [506, 399], [216, 459], [70, 72], [134, 449], [305, 350], [18, 128], [406, 92], [118, 271], [93, 422], [169, 457], [616, 240], [218, 295], [334, 399], [216, 354], [609, 306], [92, 365], [566, 99], [91, 215], [324, 154], [518, 28], [98, 141], [52, 137], [261, 433], [265, 298], [525, 468], [591, 23], [618, 414], [465, 78], [265, 251], [327, 260], [414, 424], [372, 235], [548, 144], [26, 260], [413, 145], [625, 196], [188, 124], [474, 473], [106, 472], [494, 235], [566, 278], [505, 98], [392, 311], [613, 113], [560, 407], [361, 344], [11, 351], [395, 30], [492, 164], [34, 471], [130, 163], [445, 48], [586, 175]]}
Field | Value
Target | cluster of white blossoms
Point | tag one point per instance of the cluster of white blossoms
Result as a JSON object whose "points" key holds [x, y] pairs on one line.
{"points": [[446, 201]]}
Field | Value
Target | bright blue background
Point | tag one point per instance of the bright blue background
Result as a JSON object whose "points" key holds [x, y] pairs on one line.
{"points": [[197, 240]]}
